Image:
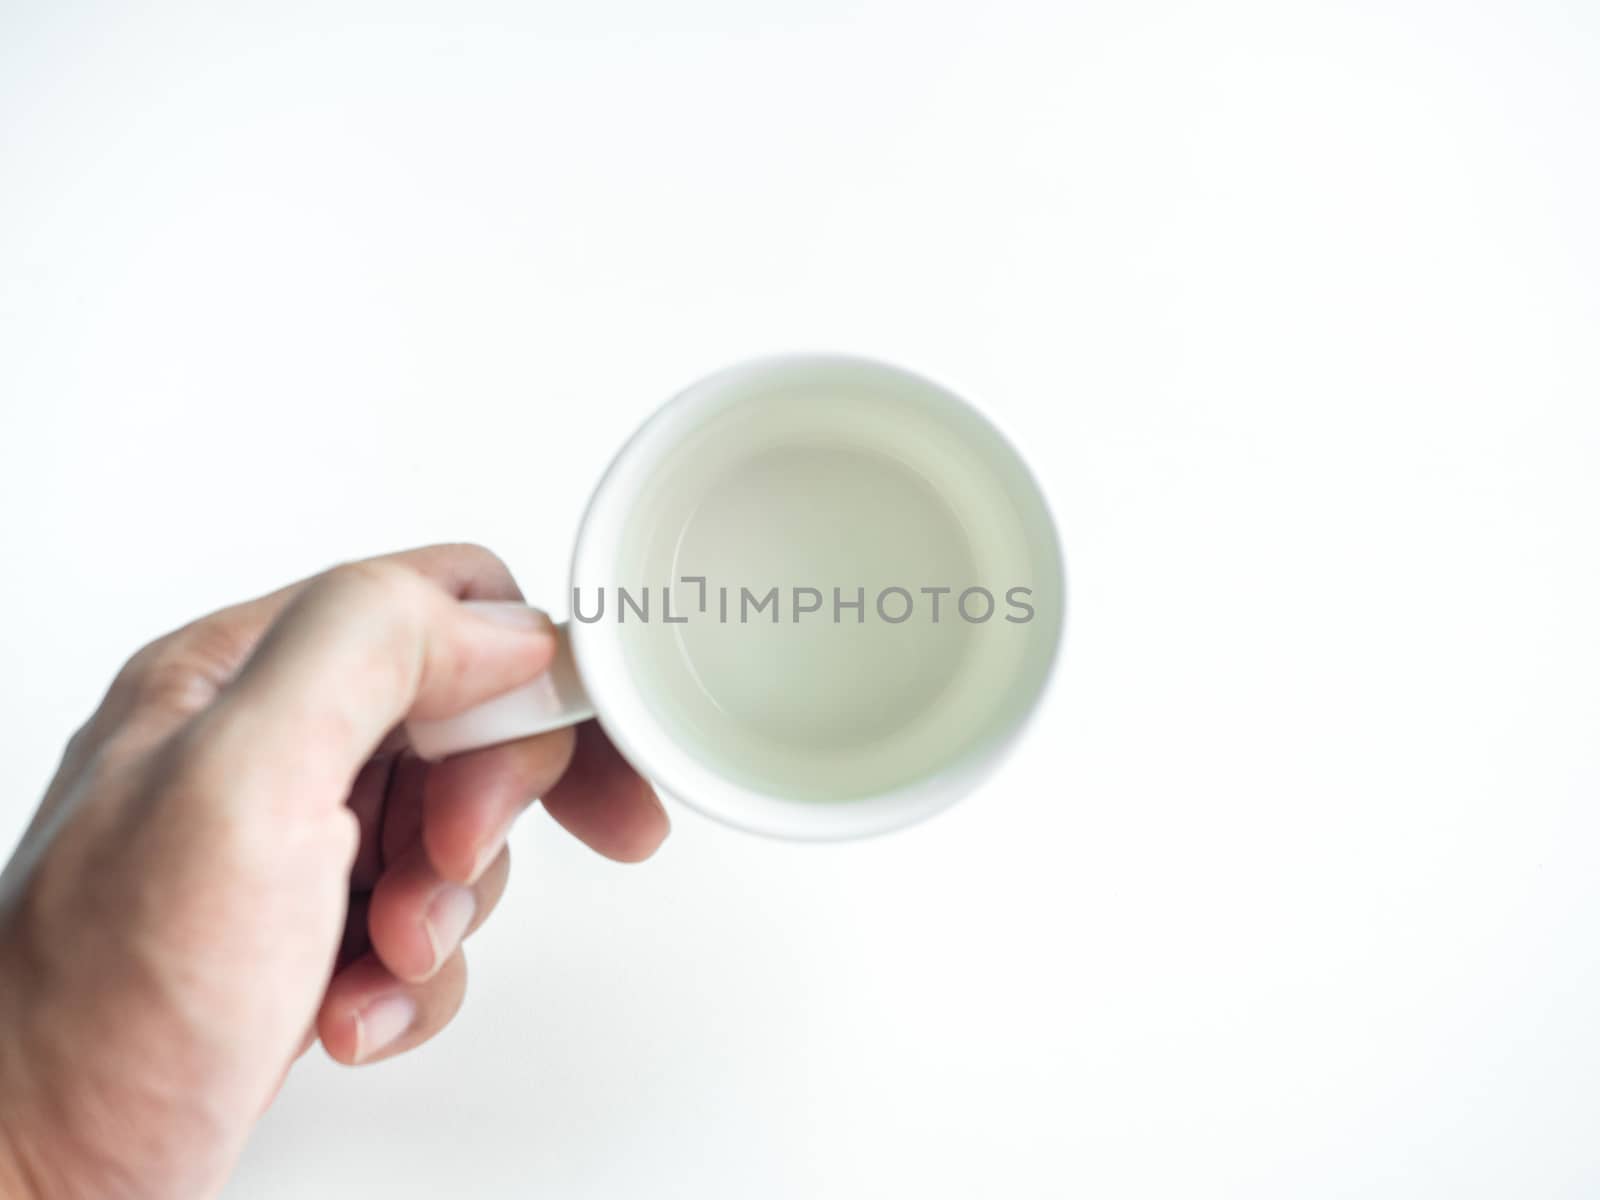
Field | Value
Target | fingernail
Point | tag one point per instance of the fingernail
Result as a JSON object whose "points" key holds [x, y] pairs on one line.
{"points": [[449, 913], [381, 1022], [511, 614]]}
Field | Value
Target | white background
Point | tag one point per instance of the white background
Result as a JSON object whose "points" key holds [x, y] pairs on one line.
{"points": [[1291, 892]]}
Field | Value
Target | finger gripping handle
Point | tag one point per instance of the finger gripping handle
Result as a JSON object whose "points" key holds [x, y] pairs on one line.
{"points": [[554, 700]]}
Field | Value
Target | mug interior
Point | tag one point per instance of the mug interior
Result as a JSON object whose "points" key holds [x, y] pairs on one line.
{"points": [[814, 596]]}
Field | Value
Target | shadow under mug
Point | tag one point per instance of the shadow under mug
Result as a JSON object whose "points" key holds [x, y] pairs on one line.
{"points": [[813, 597]]}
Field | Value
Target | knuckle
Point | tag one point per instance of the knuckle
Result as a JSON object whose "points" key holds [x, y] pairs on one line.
{"points": [[372, 580], [392, 593], [213, 646], [462, 568], [469, 559], [473, 550], [132, 672], [163, 675], [80, 741], [390, 602]]}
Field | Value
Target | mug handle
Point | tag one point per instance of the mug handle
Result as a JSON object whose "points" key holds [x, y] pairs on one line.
{"points": [[553, 701]]}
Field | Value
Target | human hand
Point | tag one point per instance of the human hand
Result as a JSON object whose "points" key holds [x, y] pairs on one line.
{"points": [[238, 856]]}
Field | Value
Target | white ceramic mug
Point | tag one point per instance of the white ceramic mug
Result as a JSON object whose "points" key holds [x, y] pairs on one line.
{"points": [[813, 597]]}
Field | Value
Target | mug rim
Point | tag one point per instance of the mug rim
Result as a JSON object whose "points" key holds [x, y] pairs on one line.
{"points": [[626, 717]]}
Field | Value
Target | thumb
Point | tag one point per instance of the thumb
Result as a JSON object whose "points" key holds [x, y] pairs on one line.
{"points": [[358, 651]]}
